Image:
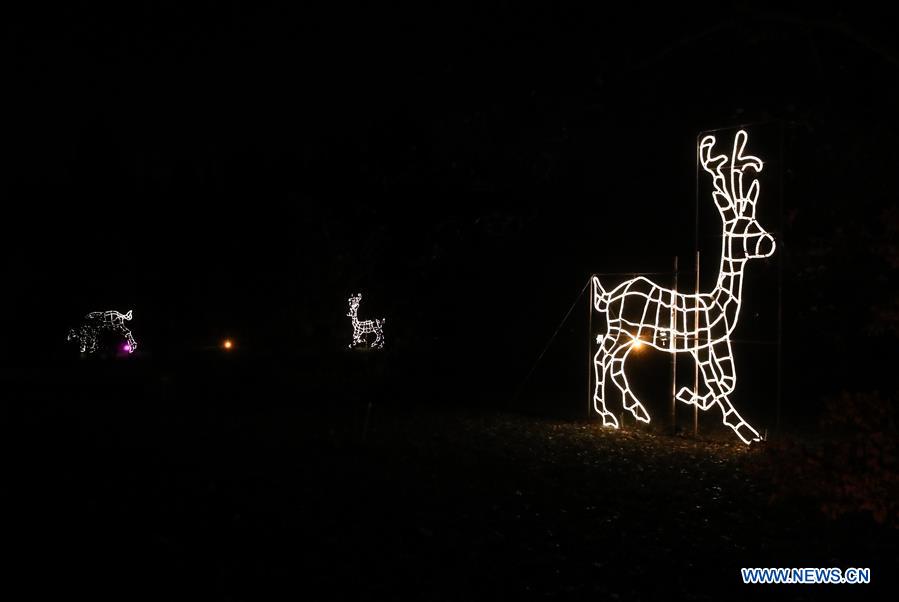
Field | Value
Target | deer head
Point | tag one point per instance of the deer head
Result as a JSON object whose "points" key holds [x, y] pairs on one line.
{"points": [[744, 235], [354, 304]]}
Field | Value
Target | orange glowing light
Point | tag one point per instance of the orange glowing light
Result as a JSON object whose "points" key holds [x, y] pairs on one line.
{"points": [[638, 344], [228, 344]]}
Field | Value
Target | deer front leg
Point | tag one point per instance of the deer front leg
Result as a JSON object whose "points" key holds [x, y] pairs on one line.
{"points": [[723, 365], [132, 344], [713, 380], [704, 398], [630, 401], [725, 379], [600, 367], [126, 334], [732, 418]]}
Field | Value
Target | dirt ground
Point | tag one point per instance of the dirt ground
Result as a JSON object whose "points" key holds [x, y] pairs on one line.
{"points": [[249, 501]]}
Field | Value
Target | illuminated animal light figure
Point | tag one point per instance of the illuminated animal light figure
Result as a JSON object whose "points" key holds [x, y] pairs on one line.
{"points": [[362, 328], [96, 322], [640, 311]]}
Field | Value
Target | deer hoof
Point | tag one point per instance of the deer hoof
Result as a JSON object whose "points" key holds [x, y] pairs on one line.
{"points": [[686, 395], [747, 433], [608, 419], [640, 413]]}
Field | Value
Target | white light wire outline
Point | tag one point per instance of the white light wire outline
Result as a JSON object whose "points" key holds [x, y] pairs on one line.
{"points": [[88, 332], [364, 327]]}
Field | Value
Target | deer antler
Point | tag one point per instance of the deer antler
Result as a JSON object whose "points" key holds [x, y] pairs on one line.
{"points": [[714, 165], [745, 201], [729, 192]]}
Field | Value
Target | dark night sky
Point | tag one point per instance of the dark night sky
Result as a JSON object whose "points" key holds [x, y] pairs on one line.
{"points": [[240, 168]]}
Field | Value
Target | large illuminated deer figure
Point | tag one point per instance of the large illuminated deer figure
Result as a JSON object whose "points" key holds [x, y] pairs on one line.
{"points": [[642, 312]]}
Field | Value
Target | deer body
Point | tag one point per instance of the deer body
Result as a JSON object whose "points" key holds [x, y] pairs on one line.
{"points": [[88, 332], [642, 312], [364, 327]]}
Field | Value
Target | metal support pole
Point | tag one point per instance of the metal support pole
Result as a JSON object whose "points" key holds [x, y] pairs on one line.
{"points": [[696, 321], [780, 288], [671, 343], [696, 355], [590, 346]]}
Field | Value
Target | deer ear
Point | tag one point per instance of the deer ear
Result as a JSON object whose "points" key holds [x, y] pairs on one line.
{"points": [[128, 315], [752, 195], [747, 207]]}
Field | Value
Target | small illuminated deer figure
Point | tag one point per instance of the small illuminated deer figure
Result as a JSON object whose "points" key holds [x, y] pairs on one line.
{"points": [[640, 311], [360, 329], [87, 334]]}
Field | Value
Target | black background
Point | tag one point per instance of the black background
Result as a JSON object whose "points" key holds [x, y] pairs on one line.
{"points": [[239, 169]]}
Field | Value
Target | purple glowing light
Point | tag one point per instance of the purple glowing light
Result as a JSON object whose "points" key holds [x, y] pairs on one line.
{"points": [[126, 347]]}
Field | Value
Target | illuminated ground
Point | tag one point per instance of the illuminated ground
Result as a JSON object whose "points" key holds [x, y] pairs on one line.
{"points": [[239, 501]]}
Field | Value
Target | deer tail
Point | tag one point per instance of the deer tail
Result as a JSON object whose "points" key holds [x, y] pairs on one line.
{"points": [[600, 296]]}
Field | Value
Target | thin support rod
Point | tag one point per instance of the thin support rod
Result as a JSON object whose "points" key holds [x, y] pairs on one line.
{"points": [[549, 342]]}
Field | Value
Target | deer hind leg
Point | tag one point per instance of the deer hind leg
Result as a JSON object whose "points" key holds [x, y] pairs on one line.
{"points": [[79, 336], [601, 362], [630, 401], [89, 341]]}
